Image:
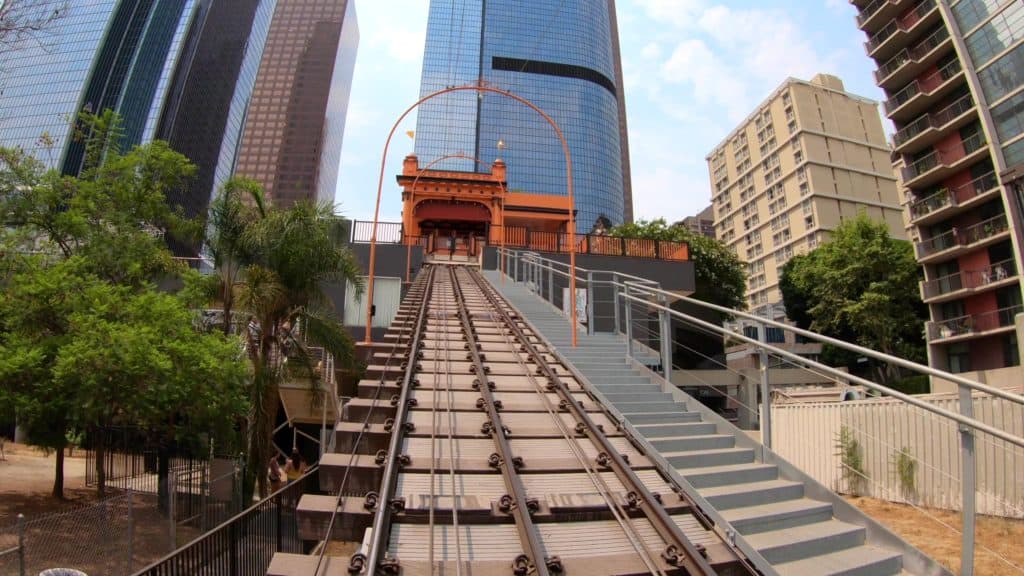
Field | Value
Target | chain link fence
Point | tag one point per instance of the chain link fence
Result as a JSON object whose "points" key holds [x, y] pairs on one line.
{"points": [[96, 539], [129, 529]]}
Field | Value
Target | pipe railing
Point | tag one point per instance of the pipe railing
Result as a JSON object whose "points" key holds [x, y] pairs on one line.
{"points": [[630, 290]]}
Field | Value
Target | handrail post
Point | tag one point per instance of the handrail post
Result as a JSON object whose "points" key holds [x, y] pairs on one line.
{"points": [[665, 320], [590, 303], [766, 397], [172, 488], [551, 283], [131, 527], [537, 278], [615, 303], [629, 321], [21, 544], [967, 483]]}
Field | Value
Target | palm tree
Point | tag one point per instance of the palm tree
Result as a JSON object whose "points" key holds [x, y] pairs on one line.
{"points": [[292, 254], [239, 203]]}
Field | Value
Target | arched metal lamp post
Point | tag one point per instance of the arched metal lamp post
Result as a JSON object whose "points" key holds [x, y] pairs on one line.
{"points": [[479, 88]]}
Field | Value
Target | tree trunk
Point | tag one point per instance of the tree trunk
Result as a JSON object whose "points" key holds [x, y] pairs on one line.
{"points": [[261, 425], [163, 473], [58, 475], [228, 300], [101, 453]]}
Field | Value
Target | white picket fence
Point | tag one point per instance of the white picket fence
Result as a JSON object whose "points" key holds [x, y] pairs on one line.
{"points": [[807, 434]]}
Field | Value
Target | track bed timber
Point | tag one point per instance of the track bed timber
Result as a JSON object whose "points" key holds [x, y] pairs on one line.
{"points": [[503, 463]]}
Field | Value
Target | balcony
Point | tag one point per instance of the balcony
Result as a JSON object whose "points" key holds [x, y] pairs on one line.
{"points": [[942, 163], [956, 241], [973, 325], [909, 63], [922, 94], [876, 12], [945, 202], [968, 282], [929, 128], [884, 43]]}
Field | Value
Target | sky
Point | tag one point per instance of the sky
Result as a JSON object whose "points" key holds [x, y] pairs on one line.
{"points": [[694, 69]]}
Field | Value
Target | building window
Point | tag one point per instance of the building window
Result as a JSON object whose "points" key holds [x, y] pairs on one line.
{"points": [[1011, 353], [1004, 75], [1009, 117], [959, 358], [775, 335], [969, 13], [992, 38]]}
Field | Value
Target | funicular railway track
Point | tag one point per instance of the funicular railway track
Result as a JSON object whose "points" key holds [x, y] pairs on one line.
{"points": [[491, 457]]}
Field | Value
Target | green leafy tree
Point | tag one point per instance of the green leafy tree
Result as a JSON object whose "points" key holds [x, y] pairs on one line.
{"points": [[720, 276], [289, 256], [87, 341], [860, 286]]}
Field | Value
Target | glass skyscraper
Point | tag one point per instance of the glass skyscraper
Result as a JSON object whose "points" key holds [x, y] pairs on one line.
{"points": [[292, 135], [562, 55]]}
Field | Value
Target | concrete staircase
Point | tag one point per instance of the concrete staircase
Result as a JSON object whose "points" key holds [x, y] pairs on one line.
{"points": [[796, 534]]}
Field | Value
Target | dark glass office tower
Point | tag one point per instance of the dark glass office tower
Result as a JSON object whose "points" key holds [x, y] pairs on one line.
{"points": [[202, 118], [562, 55], [177, 70], [291, 140]]}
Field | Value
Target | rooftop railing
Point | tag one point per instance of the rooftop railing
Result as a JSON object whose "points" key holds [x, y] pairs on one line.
{"points": [[522, 237]]}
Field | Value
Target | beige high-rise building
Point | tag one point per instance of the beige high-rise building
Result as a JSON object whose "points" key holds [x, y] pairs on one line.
{"points": [[809, 156]]}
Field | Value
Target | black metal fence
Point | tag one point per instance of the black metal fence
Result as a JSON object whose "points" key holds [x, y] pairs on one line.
{"points": [[138, 471], [245, 544]]}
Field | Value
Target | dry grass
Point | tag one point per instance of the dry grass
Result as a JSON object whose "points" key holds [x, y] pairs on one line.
{"points": [[1001, 535]]}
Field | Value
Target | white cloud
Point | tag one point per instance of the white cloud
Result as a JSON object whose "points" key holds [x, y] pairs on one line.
{"points": [[680, 13], [703, 65], [651, 51]]}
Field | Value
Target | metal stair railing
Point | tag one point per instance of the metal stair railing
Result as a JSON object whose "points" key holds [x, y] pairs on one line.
{"points": [[629, 290]]}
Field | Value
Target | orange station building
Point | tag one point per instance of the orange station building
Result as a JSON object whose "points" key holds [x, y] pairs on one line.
{"points": [[475, 208]]}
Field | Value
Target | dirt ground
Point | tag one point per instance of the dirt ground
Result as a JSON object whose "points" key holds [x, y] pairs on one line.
{"points": [[1001, 535], [26, 480]]}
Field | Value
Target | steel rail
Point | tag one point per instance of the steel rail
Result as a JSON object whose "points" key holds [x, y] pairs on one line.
{"points": [[381, 520], [616, 509], [689, 556], [339, 501], [435, 393], [450, 410], [528, 534]]}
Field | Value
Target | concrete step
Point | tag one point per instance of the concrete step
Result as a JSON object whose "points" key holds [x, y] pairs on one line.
{"points": [[606, 389], [716, 457], [618, 373], [752, 493], [598, 380], [805, 541], [710, 476], [665, 418], [628, 408], [617, 397], [778, 515], [859, 561], [676, 430], [694, 442]]}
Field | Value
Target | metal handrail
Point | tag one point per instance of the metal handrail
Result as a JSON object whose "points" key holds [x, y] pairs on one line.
{"points": [[902, 362]]}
